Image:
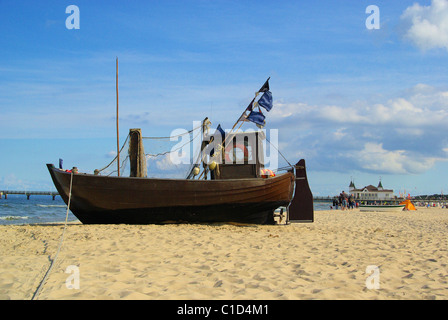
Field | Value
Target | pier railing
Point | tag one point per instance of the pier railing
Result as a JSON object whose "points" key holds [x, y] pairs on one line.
{"points": [[324, 199], [4, 194], [28, 194]]}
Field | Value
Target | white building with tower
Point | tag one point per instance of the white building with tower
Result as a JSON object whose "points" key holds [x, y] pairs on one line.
{"points": [[371, 192]]}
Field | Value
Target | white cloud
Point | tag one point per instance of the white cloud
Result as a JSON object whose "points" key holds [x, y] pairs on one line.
{"points": [[111, 154], [429, 97], [410, 131], [165, 163], [402, 135], [342, 114], [285, 110], [428, 25], [340, 133], [373, 157], [12, 182], [424, 106], [396, 111]]}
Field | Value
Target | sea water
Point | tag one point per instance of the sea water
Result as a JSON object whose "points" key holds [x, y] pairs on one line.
{"points": [[43, 209], [38, 209], [320, 206]]}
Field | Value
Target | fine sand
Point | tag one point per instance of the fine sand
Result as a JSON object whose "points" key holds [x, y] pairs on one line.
{"points": [[327, 259]]}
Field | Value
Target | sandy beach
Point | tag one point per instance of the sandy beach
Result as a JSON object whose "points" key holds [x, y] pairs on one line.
{"points": [[327, 259]]}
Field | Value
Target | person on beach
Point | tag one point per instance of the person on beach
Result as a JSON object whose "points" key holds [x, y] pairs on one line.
{"points": [[351, 203], [340, 200], [344, 200], [335, 204]]}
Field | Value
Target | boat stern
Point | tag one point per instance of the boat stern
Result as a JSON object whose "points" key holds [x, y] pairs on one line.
{"points": [[301, 208]]}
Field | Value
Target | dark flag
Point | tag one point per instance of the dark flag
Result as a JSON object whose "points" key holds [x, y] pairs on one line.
{"points": [[266, 100], [250, 106], [256, 117], [223, 133], [223, 138], [265, 87]]}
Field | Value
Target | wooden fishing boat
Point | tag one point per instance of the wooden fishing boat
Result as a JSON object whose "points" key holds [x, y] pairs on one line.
{"points": [[239, 193], [235, 192], [131, 200]]}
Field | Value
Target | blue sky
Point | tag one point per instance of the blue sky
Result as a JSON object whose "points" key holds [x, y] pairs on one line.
{"points": [[354, 103]]}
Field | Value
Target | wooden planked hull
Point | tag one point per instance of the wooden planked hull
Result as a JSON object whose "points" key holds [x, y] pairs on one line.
{"points": [[113, 200]]}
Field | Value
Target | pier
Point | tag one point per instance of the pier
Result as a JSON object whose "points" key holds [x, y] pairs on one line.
{"points": [[28, 194], [434, 199], [4, 193], [324, 199]]}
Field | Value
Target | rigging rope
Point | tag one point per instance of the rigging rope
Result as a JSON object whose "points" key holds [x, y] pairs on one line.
{"points": [[290, 165], [37, 292], [124, 144], [122, 166], [179, 135], [166, 152], [124, 161], [220, 147]]}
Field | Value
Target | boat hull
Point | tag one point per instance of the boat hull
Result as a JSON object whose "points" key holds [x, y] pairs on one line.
{"points": [[115, 200], [381, 208]]}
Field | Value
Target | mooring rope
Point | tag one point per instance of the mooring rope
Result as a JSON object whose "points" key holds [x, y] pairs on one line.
{"points": [[36, 294]]}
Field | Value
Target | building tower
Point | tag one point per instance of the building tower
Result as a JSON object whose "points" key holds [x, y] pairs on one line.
{"points": [[351, 187], [380, 186]]}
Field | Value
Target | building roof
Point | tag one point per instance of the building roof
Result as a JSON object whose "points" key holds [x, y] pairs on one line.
{"points": [[371, 188]]}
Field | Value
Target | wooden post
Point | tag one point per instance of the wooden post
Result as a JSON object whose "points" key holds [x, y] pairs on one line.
{"points": [[118, 139], [137, 158]]}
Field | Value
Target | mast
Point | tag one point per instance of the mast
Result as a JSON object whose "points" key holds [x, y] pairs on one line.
{"points": [[118, 139]]}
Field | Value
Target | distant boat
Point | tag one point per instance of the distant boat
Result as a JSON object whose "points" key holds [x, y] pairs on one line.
{"points": [[381, 208], [235, 192]]}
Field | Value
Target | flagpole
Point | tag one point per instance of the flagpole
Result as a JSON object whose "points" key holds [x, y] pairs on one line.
{"points": [[118, 138], [266, 83], [227, 135]]}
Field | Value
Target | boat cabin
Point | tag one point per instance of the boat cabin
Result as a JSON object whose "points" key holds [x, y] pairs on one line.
{"points": [[241, 155]]}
